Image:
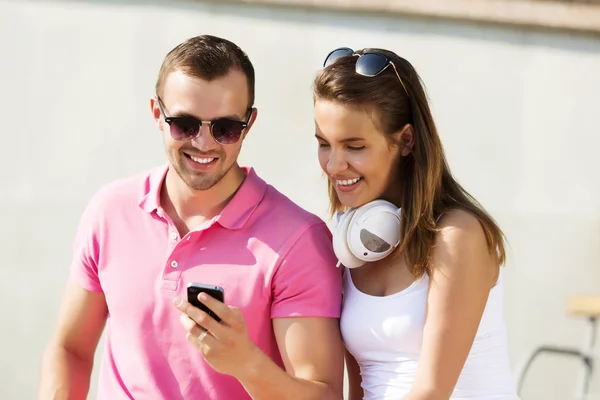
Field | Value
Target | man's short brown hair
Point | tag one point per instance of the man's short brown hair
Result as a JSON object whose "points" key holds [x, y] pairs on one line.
{"points": [[207, 57]]}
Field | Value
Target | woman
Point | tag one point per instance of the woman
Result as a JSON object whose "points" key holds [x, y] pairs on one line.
{"points": [[422, 316]]}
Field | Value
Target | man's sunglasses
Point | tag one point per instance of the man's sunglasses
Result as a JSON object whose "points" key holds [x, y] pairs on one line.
{"points": [[186, 128], [368, 64]]}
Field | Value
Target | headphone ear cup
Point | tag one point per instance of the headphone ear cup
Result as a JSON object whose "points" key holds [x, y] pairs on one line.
{"points": [[340, 241], [374, 231]]}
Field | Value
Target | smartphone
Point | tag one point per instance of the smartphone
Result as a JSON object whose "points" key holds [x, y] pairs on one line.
{"points": [[194, 289]]}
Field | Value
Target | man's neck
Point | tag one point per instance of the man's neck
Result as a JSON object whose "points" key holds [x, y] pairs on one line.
{"points": [[188, 207]]}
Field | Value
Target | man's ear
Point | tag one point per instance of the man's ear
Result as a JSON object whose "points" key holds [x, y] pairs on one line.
{"points": [[156, 114], [406, 139], [251, 120]]}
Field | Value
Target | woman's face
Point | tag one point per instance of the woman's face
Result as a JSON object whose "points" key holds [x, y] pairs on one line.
{"points": [[356, 156]]}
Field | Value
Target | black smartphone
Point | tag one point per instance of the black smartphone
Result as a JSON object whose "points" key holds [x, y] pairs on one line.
{"points": [[194, 289]]}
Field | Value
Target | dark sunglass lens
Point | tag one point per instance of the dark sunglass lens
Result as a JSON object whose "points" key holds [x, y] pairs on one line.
{"points": [[184, 128], [227, 131], [371, 64], [338, 53]]}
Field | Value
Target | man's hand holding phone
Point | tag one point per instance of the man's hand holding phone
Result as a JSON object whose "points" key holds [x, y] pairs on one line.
{"points": [[225, 345]]}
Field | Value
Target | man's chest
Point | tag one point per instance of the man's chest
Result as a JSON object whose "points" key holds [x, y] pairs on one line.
{"points": [[141, 277]]}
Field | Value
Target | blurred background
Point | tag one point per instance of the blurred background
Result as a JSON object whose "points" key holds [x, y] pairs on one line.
{"points": [[514, 88]]}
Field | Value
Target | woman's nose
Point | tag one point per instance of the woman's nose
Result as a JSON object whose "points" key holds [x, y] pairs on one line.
{"points": [[336, 162]]}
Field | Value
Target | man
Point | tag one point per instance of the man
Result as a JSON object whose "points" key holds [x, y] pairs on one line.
{"points": [[201, 218]]}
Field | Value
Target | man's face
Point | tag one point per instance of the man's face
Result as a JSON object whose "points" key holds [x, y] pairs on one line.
{"points": [[202, 162]]}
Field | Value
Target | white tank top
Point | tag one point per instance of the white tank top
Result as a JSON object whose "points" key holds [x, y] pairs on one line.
{"points": [[384, 334]]}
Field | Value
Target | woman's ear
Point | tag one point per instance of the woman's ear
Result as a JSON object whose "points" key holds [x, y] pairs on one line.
{"points": [[406, 139]]}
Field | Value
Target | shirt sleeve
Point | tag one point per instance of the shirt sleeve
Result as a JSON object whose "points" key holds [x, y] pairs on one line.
{"points": [[307, 282], [86, 248]]}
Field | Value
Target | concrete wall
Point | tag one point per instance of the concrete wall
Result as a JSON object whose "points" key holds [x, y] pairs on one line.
{"points": [[518, 112]]}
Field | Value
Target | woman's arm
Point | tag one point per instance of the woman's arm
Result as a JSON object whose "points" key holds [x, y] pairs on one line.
{"points": [[463, 272], [355, 391]]}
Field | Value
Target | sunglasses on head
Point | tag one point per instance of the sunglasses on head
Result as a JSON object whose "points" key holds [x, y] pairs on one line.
{"points": [[368, 64], [186, 128]]}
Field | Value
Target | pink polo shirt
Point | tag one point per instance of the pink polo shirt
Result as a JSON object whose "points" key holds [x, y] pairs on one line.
{"points": [[273, 259]]}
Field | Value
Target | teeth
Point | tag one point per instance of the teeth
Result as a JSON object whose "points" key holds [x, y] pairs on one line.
{"points": [[202, 160], [348, 182]]}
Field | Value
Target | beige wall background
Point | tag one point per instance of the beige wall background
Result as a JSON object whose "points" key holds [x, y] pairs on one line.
{"points": [[518, 112]]}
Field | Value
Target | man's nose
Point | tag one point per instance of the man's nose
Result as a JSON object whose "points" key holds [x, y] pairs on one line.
{"points": [[204, 141]]}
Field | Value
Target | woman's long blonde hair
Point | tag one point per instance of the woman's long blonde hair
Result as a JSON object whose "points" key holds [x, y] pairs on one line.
{"points": [[427, 187]]}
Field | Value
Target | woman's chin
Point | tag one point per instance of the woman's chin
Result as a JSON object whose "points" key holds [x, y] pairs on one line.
{"points": [[350, 200]]}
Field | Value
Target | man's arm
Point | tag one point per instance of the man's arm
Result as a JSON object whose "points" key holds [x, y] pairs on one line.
{"points": [[311, 349], [307, 293], [313, 355], [69, 357], [305, 311]]}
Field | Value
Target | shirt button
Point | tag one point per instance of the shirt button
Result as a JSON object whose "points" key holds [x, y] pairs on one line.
{"points": [[173, 235], [174, 264]]}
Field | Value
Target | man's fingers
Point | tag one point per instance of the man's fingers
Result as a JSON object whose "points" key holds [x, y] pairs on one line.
{"points": [[202, 339], [196, 335], [188, 323], [222, 310], [198, 316], [191, 326], [194, 330]]}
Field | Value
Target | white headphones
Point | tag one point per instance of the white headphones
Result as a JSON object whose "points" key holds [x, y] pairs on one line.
{"points": [[367, 233]]}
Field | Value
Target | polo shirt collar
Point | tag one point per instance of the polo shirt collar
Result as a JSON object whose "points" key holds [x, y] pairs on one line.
{"points": [[244, 202], [235, 214], [150, 201]]}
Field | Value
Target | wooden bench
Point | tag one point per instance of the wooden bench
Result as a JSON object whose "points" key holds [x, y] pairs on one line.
{"points": [[584, 306]]}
